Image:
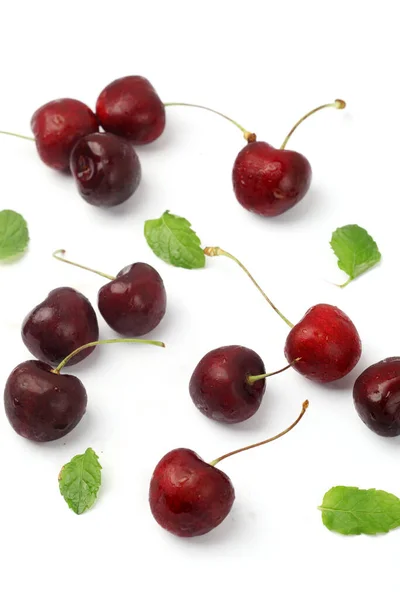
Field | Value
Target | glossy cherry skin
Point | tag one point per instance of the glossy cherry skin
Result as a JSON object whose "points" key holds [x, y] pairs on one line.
{"points": [[135, 302], [43, 406], [219, 387], [327, 343], [60, 324], [106, 169], [189, 497], [268, 181], [131, 108], [376, 395], [57, 126]]}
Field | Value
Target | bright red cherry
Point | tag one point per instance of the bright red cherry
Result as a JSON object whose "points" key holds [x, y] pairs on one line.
{"points": [[57, 126], [189, 497], [131, 108]]}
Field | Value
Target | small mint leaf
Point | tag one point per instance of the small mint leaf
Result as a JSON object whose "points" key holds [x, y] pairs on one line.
{"points": [[173, 240], [80, 480], [353, 511], [355, 249], [14, 236]]}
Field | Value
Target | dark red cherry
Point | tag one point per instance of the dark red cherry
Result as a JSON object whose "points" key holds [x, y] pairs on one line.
{"points": [[189, 497], [57, 126], [134, 303], [376, 396], [41, 405], [268, 181], [131, 108], [219, 384], [106, 169], [326, 343], [63, 322]]}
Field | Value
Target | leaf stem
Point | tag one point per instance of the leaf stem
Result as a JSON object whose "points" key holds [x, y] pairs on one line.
{"points": [[216, 251], [18, 135], [249, 137], [56, 254], [101, 342], [339, 104], [253, 378], [272, 439], [343, 285]]}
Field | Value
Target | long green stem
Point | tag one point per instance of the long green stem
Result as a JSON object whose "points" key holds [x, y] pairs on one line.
{"points": [[340, 104], [272, 439], [18, 135], [253, 378], [216, 251], [56, 254], [101, 342], [250, 137]]}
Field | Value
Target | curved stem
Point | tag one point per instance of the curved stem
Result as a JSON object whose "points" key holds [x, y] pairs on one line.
{"points": [[69, 262], [101, 342], [216, 251], [18, 135], [253, 378], [272, 439], [250, 137], [340, 104]]}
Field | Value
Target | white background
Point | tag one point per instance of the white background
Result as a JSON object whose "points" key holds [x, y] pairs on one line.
{"points": [[265, 64]]}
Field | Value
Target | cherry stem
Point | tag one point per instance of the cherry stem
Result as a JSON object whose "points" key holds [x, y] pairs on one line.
{"points": [[216, 251], [101, 342], [272, 439], [69, 262], [339, 104], [18, 135], [250, 137], [253, 378]]}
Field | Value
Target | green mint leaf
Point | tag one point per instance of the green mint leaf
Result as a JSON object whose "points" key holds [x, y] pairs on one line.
{"points": [[355, 249], [80, 480], [14, 236], [352, 511], [172, 239]]}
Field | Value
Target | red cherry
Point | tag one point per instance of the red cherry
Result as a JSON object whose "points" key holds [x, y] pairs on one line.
{"points": [[269, 181], [189, 497], [131, 108], [57, 126], [326, 344], [376, 396]]}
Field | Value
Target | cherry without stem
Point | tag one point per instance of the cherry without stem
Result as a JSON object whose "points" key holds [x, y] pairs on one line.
{"points": [[324, 345], [376, 395], [106, 169], [190, 497], [63, 322], [134, 302], [41, 404], [266, 180]]}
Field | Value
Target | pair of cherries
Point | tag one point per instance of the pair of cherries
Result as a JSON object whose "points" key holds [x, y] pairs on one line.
{"points": [[105, 165]]}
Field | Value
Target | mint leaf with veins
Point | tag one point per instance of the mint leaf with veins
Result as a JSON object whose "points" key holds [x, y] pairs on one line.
{"points": [[353, 511], [14, 235], [80, 481], [173, 240], [355, 249]]}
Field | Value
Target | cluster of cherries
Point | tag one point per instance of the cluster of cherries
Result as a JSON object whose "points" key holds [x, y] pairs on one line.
{"points": [[187, 496]]}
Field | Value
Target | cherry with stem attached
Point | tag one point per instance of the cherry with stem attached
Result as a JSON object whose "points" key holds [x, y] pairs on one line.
{"points": [[228, 384], [267, 180], [323, 346], [134, 302], [41, 404], [190, 497]]}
